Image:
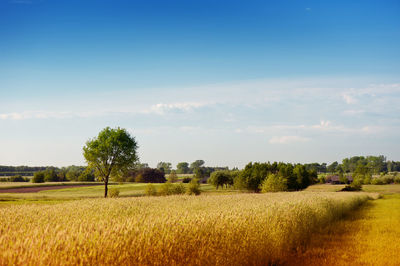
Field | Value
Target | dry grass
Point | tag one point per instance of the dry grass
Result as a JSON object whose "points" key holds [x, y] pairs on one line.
{"points": [[370, 236], [216, 230]]}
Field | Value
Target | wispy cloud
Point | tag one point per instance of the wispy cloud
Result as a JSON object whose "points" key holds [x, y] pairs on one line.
{"points": [[287, 139], [164, 108]]}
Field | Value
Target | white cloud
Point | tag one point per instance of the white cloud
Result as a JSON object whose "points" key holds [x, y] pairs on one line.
{"points": [[348, 98], [164, 108], [287, 139]]}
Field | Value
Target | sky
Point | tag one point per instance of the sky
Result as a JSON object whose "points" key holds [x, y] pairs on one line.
{"points": [[228, 82]]}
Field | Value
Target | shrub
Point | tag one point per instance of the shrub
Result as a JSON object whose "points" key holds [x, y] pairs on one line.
{"points": [[376, 181], [186, 180], [194, 187], [179, 189], [114, 192], [354, 186], [150, 190], [367, 180], [172, 177], [166, 189], [397, 180], [38, 177], [273, 183], [149, 175], [17, 178]]}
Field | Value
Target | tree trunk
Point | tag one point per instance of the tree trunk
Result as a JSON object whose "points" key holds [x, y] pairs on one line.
{"points": [[105, 187]]}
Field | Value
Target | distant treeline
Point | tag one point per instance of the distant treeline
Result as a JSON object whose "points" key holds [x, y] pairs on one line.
{"points": [[20, 170], [375, 165]]}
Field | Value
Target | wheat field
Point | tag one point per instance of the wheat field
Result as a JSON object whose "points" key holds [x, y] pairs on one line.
{"points": [[174, 230]]}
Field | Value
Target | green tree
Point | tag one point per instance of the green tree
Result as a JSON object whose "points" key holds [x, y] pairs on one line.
{"points": [[164, 167], [182, 168], [196, 164], [112, 151], [274, 183], [220, 178], [38, 177]]}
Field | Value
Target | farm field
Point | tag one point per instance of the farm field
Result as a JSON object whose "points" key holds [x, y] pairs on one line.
{"points": [[369, 236], [126, 190], [212, 229]]}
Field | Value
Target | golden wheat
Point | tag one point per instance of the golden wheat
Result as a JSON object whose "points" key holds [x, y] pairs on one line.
{"points": [[174, 230]]}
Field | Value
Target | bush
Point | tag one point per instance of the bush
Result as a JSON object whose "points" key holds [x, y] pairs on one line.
{"points": [[113, 192], [38, 177], [186, 180], [17, 178], [274, 183], [150, 190], [149, 175], [354, 186], [397, 179], [166, 189], [377, 181], [179, 189], [172, 178], [193, 187]]}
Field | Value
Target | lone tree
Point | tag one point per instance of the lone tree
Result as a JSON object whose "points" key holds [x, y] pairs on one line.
{"points": [[111, 152]]}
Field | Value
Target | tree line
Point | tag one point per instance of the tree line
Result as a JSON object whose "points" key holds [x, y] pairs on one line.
{"points": [[266, 177]]}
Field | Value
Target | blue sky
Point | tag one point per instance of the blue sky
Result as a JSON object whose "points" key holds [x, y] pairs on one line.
{"points": [[224, 81]]}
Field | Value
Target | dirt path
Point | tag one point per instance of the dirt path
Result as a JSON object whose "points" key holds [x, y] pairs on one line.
{"points": [[371, 236], [37, 189]]}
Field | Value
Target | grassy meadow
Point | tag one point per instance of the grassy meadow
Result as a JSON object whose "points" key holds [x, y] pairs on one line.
{"points": [[208, 229]]}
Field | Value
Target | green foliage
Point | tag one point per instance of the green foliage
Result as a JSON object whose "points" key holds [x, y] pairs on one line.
{"points": [[274, 183], [166, 189], [343, 179], [173, 177], [150, 190], [164, 167], [296, 176], [182, 168], [356, 185], [322, 179], [38, 177], [193, 187], [114, 192], [179, 189], [196, 164], [198, 173], [50, 175], [149, 175], [87, 175], [17, 178], [110, 153], [221, 178]]}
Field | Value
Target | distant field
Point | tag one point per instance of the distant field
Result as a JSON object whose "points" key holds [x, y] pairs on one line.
{"points": [[138, 189], [208, 229], [383, 189]]}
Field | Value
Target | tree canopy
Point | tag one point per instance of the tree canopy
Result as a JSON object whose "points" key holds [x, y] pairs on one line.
{"points": [[110, 153]]}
